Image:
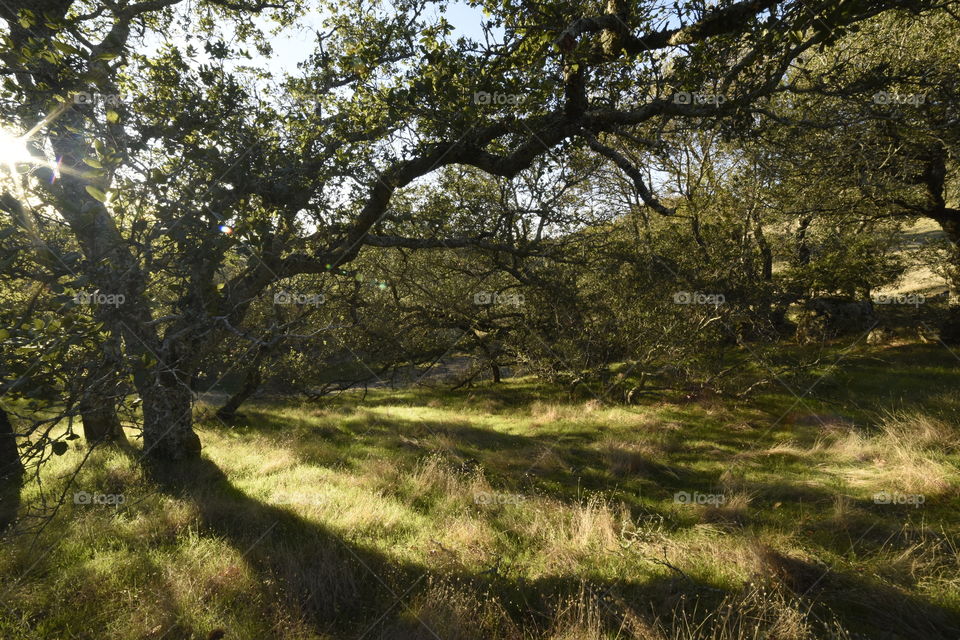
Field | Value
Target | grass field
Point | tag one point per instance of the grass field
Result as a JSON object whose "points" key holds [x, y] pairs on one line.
{"points": [[521, 511]]}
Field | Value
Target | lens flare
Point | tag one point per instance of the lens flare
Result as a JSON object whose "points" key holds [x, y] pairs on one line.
{"points": [[13, 149]]}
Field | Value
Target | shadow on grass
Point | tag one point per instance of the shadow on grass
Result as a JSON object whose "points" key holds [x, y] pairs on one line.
{"points": [[563, 466], [349, 591], [345, 589]]}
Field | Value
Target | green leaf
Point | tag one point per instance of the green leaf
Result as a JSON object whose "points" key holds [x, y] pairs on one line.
{"points": [[93, 162], [112, 116], [66, 48], [96, 193]]}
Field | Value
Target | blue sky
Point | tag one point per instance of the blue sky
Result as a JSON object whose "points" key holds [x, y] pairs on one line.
{"points": [[294, 45]]}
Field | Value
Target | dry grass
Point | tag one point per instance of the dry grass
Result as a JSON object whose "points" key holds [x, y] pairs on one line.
{"points": [[549, 521], [906, 454]]}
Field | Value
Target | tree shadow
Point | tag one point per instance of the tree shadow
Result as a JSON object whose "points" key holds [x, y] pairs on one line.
{"points": [[344, 588], [315, 572]]}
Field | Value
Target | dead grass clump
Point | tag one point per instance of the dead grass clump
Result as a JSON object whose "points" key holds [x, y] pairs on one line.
{"points": [[905, 455], [568, 535], [625, 459], [757, 612], [452, 610], [917, 431]]}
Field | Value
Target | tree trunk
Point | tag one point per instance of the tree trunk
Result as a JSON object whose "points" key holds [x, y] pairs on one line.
{"points": [[950, 327], [98, 408], [802, 244], [168, 422], [251, 382], [101, 424], [11, 473]]}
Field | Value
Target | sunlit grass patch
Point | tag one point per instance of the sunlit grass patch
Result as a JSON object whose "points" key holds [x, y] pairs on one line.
{"points": [[490, 517]]}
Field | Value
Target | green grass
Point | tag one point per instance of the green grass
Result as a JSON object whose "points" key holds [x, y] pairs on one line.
{"points": [[518, 511]]}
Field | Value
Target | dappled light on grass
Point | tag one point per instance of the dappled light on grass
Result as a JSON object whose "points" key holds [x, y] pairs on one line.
{"points": [[499, 521]]}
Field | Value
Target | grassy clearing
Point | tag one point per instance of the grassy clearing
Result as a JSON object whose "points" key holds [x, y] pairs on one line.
{"points": [[517, 511]]}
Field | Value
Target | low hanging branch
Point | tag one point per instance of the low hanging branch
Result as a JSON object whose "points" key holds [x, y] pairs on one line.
{"points": [[624, 164]]}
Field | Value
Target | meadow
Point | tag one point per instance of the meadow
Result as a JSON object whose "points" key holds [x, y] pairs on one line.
{"points": [[520, 510]]}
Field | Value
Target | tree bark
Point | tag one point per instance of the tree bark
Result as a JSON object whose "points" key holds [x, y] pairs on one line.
{"points": [[100, 421], [98, 407], [11, 473], [168, 434]]}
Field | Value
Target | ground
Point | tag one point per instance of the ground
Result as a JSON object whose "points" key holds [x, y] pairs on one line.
{"points": [[523, 511]]}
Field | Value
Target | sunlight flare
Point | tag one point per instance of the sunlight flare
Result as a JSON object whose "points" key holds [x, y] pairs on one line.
{"points": [[13, 149]]}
